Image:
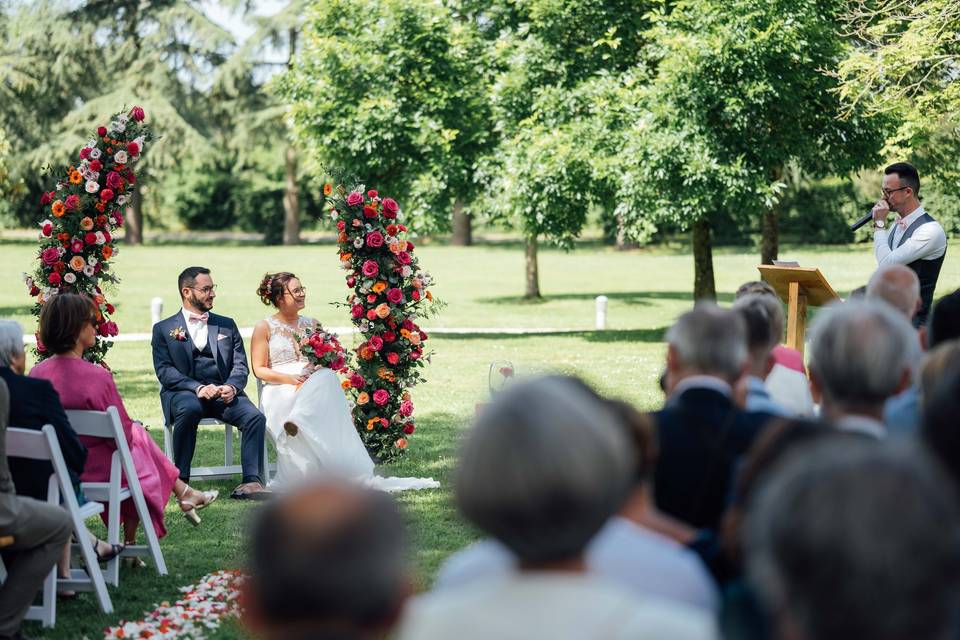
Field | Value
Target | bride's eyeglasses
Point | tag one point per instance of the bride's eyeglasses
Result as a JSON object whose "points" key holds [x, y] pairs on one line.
{"points": [[299, 291]]}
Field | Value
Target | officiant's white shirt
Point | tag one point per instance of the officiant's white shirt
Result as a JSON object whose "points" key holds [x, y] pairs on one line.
{"points": [[197, 330], [928, 242]]}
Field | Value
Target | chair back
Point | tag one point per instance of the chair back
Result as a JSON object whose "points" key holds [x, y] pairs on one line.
{"points": [[28, 443]]}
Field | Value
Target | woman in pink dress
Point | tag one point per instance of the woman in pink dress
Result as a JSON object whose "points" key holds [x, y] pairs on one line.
{"points": [[67, 328]]}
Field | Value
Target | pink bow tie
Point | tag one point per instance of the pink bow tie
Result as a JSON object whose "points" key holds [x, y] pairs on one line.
{"points": [[901, 224], [202, 318]]}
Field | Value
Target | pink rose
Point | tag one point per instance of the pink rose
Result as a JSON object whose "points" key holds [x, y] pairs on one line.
{"points": [[375, 239], [118, 218], [46, 198], [393, 358], [395, 296], [371, 298], [403, 257], [415, 355], [381, 396], [50, 256], [390, 208], [406, 408], [106, 195], [133, 148], [351, 281], [76, 245], [138, 114], [408, 324], [341, 225], [370, 268], [114, 181], [357, 381], [372, 193], [376, 343], [72, 201], [354, 198], [371, 315], [356, 311], [84, 153]]}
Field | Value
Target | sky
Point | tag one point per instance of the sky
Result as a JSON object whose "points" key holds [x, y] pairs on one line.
{"points": [[233, 20]]}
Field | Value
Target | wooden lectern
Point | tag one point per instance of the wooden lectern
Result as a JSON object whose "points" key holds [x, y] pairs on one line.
{"points": [[798, 287]]}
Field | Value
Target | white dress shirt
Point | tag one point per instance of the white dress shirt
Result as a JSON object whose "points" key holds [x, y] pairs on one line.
{"points": [[928, 242], [197, 330]]}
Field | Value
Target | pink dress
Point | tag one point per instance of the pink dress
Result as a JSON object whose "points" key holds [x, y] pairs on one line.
{"points": [[87, 387]]}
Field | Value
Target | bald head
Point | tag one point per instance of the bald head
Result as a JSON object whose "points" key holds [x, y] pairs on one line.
{"points": [[898, 286]]}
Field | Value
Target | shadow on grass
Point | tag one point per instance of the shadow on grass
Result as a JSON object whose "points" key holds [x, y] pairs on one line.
{"points": [[18, 310], [643, 298], [610, 335]]}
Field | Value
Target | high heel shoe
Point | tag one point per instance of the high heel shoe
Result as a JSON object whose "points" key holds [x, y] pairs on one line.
{"points": [[191, 507]]}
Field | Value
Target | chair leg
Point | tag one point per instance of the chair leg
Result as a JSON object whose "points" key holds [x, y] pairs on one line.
{"points": [[227, 444], [112, 572], [94, 573], [49, 618], [168, 442]]}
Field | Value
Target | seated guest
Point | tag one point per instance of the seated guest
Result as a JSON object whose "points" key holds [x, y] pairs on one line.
{"points": [[941, 406], [858, 541], [541, 471], [763, 319], [629, 550], [700, 430], [327, 561], [68, 328], [39, 532], [862, 353], [787, 380], [944, 320]]}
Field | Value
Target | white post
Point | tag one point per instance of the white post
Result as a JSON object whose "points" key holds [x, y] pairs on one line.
{"points": [[601, 313], [156, 310]]}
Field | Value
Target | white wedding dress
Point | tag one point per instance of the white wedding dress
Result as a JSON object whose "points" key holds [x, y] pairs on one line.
{"points": [[326, 443]]}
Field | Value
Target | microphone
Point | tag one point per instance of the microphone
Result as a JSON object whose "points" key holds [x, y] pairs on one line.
{"points": [[862, 221]]}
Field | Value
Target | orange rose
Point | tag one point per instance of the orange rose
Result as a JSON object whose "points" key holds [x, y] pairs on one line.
{"points": [[401, 443], [363, 398], [342, 237], [366, 353], [395, 248], [77, 263], [99, 300], [58, 208], [383, 310], [86, 224], [106, 251], [327, 189], [345, 257], [379, 287]]}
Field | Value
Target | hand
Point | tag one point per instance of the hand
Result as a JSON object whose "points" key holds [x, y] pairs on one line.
{"points": [[297, 379], [227, 393], [881, 210], [208, 392]]}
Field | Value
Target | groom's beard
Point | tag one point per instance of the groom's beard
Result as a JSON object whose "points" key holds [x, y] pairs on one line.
{"points": [[202, 306]]}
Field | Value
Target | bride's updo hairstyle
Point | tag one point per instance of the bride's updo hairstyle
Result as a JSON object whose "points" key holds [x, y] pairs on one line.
{"points": [[273, 286]]}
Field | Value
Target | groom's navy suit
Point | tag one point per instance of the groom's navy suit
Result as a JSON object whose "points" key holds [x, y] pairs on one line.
{"points": [[183, 367]]}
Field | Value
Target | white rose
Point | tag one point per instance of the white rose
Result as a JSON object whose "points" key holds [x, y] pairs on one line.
{"points": [[95, 154], [118, 127], [91, 261], [121, 200], [69, 278], [406, 271], [358, 242], [334, 214], [91, 186], [123, 118], [88, 271], [120, 157], [101, 239], [61, 250], [59, 186]]}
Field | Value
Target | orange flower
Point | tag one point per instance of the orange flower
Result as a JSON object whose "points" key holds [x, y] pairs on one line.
{"points": [[106, 251], [58, 208], [371, 422], [383, 310], [414, 338], [429, 296], [342, 237], [401, 443], [396, 248], [406, 396], [405, 333], [75, 177], [99, 300], [77, 263], [345, 385], [86, 223], [366, 353], [327, 189], [379, 287], [345, 257], [363, 398]]}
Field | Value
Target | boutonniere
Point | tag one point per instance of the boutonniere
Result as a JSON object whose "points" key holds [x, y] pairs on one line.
{"points": [[179, 334]]}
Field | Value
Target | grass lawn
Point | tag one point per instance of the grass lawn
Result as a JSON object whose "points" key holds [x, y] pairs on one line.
{"points": [[647, 290]]}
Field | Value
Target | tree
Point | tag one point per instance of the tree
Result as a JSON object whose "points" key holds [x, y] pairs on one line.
{"points": [[392, 91], [737, 93]]}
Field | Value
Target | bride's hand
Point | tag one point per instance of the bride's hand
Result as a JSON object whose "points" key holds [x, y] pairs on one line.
{"points": [[296, 380]]}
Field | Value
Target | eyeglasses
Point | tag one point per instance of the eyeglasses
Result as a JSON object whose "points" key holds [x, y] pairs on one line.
{"points": [[206, 290], [887, 192], [299, 291]]}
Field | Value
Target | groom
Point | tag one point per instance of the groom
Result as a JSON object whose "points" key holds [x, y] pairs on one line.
{"points": [[202, 367]]}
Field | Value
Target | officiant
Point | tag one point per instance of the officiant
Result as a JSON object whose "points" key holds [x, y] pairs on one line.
{"points": [[914, 239]]}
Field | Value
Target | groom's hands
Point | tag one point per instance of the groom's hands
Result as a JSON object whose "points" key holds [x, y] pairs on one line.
{"points": [[209, 392], [227, 393]]}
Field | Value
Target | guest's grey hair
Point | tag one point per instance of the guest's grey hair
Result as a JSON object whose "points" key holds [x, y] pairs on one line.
{"points": [[859, 352], [857, 541], [543, 468], [898, 286], [11, 341], [711, 340]]}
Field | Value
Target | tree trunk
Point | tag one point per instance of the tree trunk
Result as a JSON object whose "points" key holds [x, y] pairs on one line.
{"points": [[703, 283], [533, 272], [134, 221], [291, 200], [770, 227], [622, 243], [462, 226]]}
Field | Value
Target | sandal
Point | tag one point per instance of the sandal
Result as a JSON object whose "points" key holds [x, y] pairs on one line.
{"points": [[115, 550], [189, 507]]}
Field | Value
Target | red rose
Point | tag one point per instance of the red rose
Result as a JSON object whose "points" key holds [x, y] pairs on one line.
{"points": [[356, 311], [101, 220], [415, 295], [133, 148], [371, 298], [72, 201], [369, 212], [371, 315], [408, 324], [391, 229], [395, 296], [90, 238], [357, 381], [132, 179], [423, 336], [372, 193], [47, 198], [106, 236], [54, 279], [408, 428], [110, 308], [381, 396], [138, 114], [375, 239], [114, 181], [101, 131], [341, 225], [96, 165], [376, 343], [415, 355], [59, 266], [409, 246], [389, 336], [393, 358], [106, 195], [118, 218], [390, 208], [351, 281], [34, 291], [46, 229], [84, 153]]}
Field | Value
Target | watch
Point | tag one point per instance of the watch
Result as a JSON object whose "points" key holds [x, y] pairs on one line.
{"points": [[878, 224]]}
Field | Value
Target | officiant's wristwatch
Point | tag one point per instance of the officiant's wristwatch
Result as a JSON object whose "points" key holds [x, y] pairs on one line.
{"points": [[878, 224]]}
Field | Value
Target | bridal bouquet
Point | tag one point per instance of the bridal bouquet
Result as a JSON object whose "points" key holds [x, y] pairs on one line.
{"points": [[80, 218], [323, 349]]}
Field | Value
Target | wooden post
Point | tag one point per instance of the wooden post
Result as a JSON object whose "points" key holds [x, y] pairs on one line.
{"points": [[796, 317]]}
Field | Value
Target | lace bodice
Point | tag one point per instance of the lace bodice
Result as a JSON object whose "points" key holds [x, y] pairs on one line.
{"points": [[282, 343]]}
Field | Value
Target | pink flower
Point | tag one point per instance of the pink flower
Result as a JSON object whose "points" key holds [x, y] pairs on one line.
{"points": [[371, 314], [415, 294], [138, 114], [395, 296], [415, 355], [390, 208], [96, 165], [54, 278], [118, 218], [90, 238], [372, 193], [403, 257], [357, 381], [101, 131], [341, 225], [84, 153], [351, 281], [114, 181], [356, 311], [72, 201], [370, 268], [408, 324], [354, 198], [50, 256], [106, 195], [47, 198], [406, 408], [381, 396], [133, 148], [376, 343], [393, 358], [375, 239], [371, 298], [76, 245]]}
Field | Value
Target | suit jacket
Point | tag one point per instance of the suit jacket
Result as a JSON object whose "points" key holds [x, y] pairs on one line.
{"points": [[701, 436], [33, 403], [174, 362]]}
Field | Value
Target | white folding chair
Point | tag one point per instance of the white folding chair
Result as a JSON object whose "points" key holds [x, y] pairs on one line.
{"points": [[43, 445], [107, 425]]}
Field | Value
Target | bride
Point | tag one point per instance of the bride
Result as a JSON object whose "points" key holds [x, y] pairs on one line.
{"points": [[306, 410]]}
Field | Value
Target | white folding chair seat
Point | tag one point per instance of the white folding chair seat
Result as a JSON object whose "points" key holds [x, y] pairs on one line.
{"points": [[43, 445], [107, 425]]}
